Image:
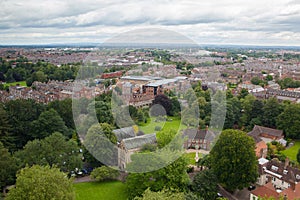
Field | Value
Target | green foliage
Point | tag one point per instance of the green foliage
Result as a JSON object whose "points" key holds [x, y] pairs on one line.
{"points": [[161, 195], [5, 129], [64, 109], [165, 102], [104, 173], [8, 167], [48, 123], [21, 114], [165, 137], [173, 176], [205, 185], [288, 83], [42, 183], [99, 141], [289, 121], [256, 81], [53, 150], [233, 160]]}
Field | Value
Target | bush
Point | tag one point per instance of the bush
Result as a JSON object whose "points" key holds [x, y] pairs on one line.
{"points": [[104, 173], [157, 128]]}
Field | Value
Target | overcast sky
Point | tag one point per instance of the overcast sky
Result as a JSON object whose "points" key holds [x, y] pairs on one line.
{"points": [[257, 22]]}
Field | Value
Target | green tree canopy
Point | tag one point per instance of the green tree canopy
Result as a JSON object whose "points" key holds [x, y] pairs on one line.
{"points": [[8, 167], [104, 173], [48, 123], [53, 150], [42, 183], [205, 185], [289, 121], [233, 160]]}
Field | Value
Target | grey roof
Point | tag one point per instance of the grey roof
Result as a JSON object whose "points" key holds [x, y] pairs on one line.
{"points": [[196, 134], [124, 133], [139, 141], [161, 82], [258, 130]]}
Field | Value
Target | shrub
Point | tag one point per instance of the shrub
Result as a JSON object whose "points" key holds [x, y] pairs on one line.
{"points": [[157, 128], [104, 173]]}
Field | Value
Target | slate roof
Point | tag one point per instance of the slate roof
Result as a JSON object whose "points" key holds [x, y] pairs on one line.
{"points": [[196, 134], [124, 133], [139, 141], [258, 130], [289, 174]]}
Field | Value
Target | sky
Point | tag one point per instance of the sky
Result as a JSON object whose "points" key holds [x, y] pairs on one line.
{"points": [[255, 22]]}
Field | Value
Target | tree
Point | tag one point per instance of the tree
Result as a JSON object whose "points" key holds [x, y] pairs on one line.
{"points": [[271, 110], [298, 156], [64, 109], [48, 123], [161, 195], [21, 113], [269, 78], [5, 128], [256, 81], [100, 142], [8, 167], [289, 121], [173, 176], [104, 173], [53, 150], [233, 160], [42, 183], [205, 185], [165, 102], [165, 137]]}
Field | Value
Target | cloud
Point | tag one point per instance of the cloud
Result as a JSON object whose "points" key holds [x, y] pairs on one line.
{"points": [[233, 21]]}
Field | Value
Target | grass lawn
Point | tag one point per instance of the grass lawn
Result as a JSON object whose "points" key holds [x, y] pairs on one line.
{"points": [[149, 127], [98, 191], [291, 153], [191, 157], [21, 83]]}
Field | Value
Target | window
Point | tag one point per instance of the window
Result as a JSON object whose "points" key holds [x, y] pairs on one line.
{"points": [[274, 168], [273, 179], [285, 171], [297, 176]]}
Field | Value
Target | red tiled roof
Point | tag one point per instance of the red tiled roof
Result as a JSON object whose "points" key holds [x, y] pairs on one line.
{"points": [[266, 191], [292, 194]]}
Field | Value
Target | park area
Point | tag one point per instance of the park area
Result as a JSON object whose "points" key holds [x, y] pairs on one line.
{"points": [[170, 123], [104, 190], [292, 152], [21, 83]]}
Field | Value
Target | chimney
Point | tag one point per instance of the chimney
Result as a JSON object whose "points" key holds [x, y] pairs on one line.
{"points": [[286, 163]]}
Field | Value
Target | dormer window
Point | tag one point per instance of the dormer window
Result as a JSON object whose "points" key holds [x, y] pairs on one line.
{"points": [[297, 176], [285, 172], [274, 168]]}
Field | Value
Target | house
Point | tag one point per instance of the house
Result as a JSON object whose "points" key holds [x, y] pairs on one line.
{"points": [[131, 145], [277, 179], [264, 191], [202, 138], [266, 134]]}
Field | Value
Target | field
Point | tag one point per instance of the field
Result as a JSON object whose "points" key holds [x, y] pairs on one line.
{"points": [[98, 191], [291, 153], [21, 83], [171, 123]]}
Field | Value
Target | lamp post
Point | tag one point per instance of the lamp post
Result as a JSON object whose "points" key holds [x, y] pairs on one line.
{"points": [[196, 156]]}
